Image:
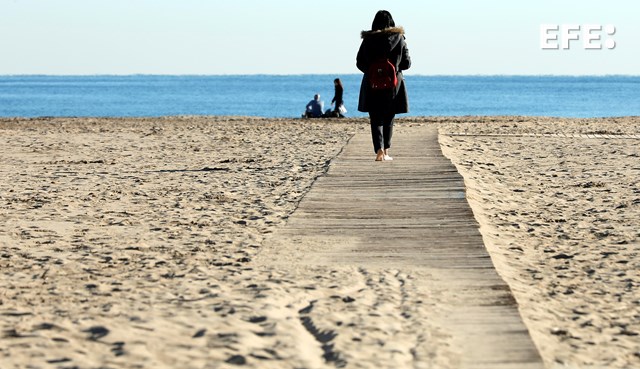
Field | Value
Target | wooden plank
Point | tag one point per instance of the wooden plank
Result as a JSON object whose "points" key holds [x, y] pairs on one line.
{"points": [[412, 214]]}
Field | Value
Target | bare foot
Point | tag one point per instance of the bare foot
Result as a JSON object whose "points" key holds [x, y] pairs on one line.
{"points": [[380, 155]]}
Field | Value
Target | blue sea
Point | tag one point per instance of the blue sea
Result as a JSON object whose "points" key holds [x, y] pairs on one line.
{"points": [[286, 96]]}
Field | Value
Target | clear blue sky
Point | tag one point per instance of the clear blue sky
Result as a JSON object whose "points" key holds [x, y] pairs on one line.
{"points": [[294, 36]]}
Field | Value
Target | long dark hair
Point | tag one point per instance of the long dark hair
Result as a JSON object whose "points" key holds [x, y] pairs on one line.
{"points": [[338, 82], [382, 20]]}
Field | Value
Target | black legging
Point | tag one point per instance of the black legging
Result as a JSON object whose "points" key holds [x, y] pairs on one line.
{"points": [[381, 129], [338, 103]]}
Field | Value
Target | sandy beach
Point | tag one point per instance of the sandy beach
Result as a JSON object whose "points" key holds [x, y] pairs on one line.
{"points": [[130, 243]]}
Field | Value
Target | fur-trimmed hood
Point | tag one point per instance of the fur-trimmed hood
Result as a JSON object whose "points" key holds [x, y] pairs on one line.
{"points": [[383, 40], [386, 31]]}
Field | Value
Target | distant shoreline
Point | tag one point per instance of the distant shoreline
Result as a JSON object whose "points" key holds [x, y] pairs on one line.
{"points": [[400, 119]]}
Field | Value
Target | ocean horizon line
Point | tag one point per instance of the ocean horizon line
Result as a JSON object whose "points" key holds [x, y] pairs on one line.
{"points": [[315, 74]]}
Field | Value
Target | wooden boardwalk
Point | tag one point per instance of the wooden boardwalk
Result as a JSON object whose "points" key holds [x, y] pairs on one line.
{"points": [[411, 214]]}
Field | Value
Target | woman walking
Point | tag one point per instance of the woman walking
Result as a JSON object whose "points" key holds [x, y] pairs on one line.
{"points": [[337, 98], [382, 54]]}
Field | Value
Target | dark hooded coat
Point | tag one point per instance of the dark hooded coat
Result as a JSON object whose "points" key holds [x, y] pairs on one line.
{"points": [[389, 43]]}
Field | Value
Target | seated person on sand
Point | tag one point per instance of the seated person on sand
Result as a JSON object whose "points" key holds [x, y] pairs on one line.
{"points": [[314, 108]]}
